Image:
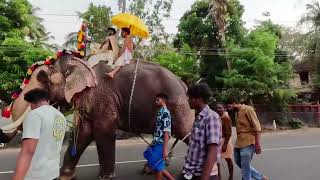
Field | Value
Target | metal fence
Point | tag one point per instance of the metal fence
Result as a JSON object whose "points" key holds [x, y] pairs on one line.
{"points": [[309, 114], [309, 118]]}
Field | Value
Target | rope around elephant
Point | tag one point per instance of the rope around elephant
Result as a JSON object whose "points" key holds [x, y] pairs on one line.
{"points": [[129, 118]]}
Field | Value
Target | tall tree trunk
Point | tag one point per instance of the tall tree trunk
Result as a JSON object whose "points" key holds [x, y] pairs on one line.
{"points": [[218, 11], [124, 5]]}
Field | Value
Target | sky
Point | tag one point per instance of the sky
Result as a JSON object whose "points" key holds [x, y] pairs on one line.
{"points": [[60, 15]]}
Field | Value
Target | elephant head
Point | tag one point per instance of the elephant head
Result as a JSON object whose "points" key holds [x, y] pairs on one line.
{"points": [[63, 79]]}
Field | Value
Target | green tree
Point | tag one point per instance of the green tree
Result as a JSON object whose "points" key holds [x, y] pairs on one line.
{"points": [[153, 12], [184, 65], [19, 15], [198, 29], [98, 18], [256, 73], [16, 55], [17, 23]]}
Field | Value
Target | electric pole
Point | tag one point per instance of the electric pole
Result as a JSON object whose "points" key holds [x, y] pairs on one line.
{"points": [[122, 5]]}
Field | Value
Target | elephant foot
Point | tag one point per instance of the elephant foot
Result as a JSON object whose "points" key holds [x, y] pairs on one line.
{"points": [[107, 177], [63, 177], [66, 174], [113, 175]]}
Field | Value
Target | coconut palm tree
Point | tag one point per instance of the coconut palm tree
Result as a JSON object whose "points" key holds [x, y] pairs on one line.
{"points": [[312, 16], [312, 19], [34, 28], [71, 41]]}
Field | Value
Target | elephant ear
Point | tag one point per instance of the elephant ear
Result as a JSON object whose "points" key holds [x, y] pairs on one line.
{"points": [[79, 76]]}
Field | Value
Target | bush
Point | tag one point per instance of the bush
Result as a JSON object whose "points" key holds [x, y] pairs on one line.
{"points": [[295, 123]]}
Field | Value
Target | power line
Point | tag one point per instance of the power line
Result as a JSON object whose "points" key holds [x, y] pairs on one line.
{"points": [[172, 19], [63, 15], [191, 52]]}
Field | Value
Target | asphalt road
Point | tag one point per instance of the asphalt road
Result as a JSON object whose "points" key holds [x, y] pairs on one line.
{"points": [[293, 155]]}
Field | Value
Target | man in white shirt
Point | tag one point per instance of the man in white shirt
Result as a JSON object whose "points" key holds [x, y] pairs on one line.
{"points": [[43, 133]]}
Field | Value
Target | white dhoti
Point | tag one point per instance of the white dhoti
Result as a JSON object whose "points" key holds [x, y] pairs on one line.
{"points": [[229, 152], [106, 56], [124, 59], [108, 52]]}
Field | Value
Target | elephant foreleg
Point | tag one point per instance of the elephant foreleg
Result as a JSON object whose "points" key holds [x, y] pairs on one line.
{"points": [[106, 151], [84, 138], [106, 143]]}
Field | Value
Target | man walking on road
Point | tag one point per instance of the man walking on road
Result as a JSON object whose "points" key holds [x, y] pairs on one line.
{"points": [[248, 139], [157, 153], [227, 149], [43, 133], [204, 151]]}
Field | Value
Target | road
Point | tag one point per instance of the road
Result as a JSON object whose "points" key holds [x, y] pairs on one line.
{"points": [[293, 155]]}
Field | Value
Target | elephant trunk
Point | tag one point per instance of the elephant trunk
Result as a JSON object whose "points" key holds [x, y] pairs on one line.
{"points": [[20, 107], [6, 137]]}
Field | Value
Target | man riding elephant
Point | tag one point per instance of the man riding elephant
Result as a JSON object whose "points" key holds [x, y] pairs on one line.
{"points": [[125, 54], [107, 51]]}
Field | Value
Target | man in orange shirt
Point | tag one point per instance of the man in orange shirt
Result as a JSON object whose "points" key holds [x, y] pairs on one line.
{"points": [[248, 139]]}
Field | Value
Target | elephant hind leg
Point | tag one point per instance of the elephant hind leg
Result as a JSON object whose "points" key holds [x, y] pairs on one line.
{"points": [[85, 137]]}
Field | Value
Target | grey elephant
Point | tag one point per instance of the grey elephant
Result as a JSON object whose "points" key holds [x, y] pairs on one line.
{"points": [[102, 104]]}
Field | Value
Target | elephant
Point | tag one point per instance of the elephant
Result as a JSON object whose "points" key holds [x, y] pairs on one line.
{"points": [[102, 104]]}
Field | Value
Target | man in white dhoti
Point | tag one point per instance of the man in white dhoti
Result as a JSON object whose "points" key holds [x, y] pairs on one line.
{"points": [[107, 51], [125, 54]]}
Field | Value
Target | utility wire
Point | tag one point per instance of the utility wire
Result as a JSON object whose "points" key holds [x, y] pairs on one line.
{"points": [[173, 19]]}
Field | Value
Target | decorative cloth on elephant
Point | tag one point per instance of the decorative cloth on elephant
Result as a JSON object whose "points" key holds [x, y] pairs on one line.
{"points": [[107, 52], [81, 77]]}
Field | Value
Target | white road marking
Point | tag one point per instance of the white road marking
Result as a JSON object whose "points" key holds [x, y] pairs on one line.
{"points": [[92, 165], [6, 172], [291, 148], [176, 157]]}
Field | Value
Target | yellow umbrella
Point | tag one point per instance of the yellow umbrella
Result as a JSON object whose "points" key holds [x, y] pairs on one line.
{"points": [[136, 25]]}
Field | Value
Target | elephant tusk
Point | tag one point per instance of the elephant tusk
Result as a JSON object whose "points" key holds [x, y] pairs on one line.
{"points": [[14, 125]]}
